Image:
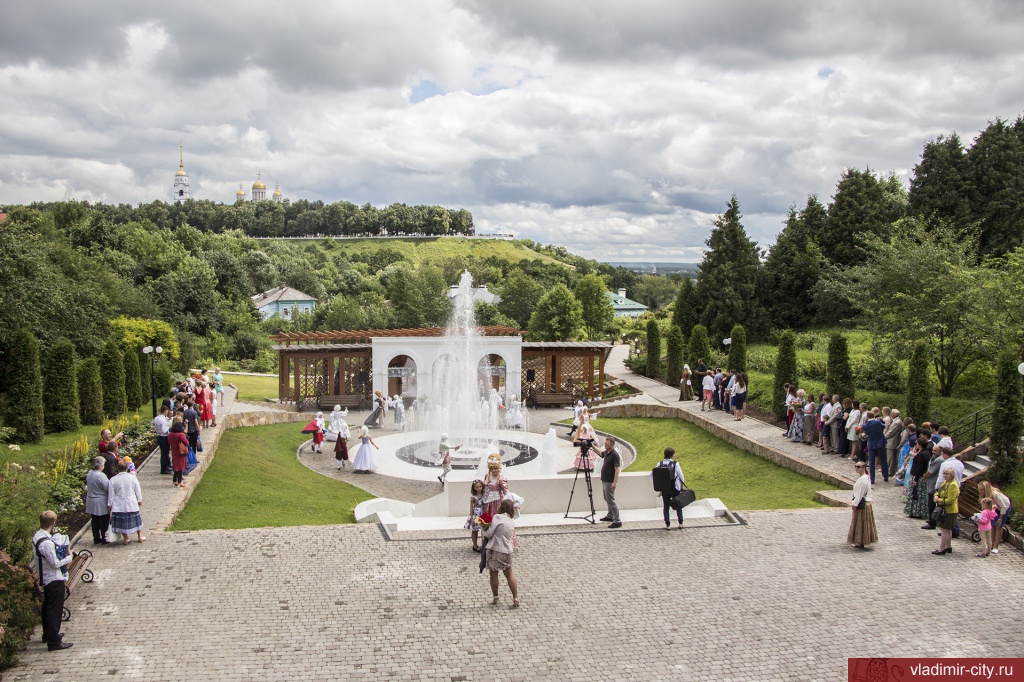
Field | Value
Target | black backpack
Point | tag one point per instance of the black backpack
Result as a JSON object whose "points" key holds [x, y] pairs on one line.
{"points": [[664, 476]]}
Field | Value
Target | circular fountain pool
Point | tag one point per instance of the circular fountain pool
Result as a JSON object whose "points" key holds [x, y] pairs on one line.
{"points": [[425, 453]]}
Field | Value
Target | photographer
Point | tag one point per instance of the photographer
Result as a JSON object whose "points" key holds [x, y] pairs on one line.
{"points": [[610, 479]]}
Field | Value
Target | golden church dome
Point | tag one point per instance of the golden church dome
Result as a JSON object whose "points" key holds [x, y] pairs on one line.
{"points": [[181, 172], [277, 191], [240, 192], [258, 185]]}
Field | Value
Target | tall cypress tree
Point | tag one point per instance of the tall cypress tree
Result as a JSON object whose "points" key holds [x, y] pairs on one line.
{"points": [[132, 379], [686, 312], [90, 391], [653, 349], [24, 411], [996, 160], [61, 381], [942, 185], [738, 349], [115, 401], [919, 389], [1007, 420], [838, 373], [727, 285], [699, 346], [785, 372], [793, 267], [674, 347]]}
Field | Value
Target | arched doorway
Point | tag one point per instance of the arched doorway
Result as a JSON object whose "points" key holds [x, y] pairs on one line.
{"points": [[402, 377], [492, 372]]}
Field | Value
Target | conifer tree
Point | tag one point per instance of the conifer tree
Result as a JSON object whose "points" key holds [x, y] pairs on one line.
{"points": [[674, 348], [727, 285], [24, 405], [162, 378], [919, 389], [653, 349], [699, 346], [132, 379], [1007, 420], [90, 391], [785, 372], [838, 373], [686, 312], [738, 349], [60, 379], [115, 401]]}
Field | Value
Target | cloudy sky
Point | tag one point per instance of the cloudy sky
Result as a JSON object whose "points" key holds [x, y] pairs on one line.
{"points": [[618, 129]]}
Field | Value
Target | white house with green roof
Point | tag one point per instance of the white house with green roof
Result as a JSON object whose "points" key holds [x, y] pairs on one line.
{"points": [[283, 302], [625, 307]]}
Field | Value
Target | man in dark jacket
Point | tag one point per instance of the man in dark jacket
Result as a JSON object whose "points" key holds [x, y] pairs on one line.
{"points": [[875, 430]]}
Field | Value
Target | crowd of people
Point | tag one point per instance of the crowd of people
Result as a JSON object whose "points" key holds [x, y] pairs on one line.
{"points": [[720, 389]]}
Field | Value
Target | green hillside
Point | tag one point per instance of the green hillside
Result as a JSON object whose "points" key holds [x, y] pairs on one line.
{"points": [[421, 249]]}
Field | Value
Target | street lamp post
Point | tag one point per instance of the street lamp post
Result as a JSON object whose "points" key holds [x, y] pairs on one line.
{"points": [[152, 353]]}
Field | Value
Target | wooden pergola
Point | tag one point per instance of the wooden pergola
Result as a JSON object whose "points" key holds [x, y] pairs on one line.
{"points": [[312, 365]]}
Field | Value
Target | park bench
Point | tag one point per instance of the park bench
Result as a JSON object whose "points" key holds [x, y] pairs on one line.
{"points": [[327, 402], [78, 568], [552, 399]]}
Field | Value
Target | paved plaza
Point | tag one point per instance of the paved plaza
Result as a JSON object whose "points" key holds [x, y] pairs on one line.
{"points": [[780, 598]]}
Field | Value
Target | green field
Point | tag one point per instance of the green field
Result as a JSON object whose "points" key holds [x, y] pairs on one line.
{"points": [[253, 388], [256, 481], [418, 250], [714, 468]]}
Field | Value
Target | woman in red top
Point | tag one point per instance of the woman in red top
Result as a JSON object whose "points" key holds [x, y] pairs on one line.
{"points": [[202, 406], [178, 442]]}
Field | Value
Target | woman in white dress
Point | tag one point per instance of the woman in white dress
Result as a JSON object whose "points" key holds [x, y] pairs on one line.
{"points": [[336, 423], [364, 462]]}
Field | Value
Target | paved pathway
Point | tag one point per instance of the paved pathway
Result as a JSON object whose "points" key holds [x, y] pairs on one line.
{"points": [[782, 598]]}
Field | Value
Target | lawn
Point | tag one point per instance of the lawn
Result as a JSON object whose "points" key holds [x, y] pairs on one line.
{"points": [[256, 481], [32, 453], [713, 467], [254, 388]]}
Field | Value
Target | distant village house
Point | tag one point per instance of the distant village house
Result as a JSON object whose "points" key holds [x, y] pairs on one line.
{"points": [[283, 302]]}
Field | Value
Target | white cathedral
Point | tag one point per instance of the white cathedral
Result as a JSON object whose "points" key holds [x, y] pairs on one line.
{"points": [[259, 190]]}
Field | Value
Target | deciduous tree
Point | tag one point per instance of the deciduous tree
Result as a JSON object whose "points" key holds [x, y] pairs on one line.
{"points": [[558, 316], [593, 296]]}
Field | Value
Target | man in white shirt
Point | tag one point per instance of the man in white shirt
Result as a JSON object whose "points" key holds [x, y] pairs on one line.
{"points": [[162, 425], [825, 443], [52, 579]]}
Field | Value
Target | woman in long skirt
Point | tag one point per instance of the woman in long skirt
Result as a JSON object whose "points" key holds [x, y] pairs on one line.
{"points": [[862, 526], [810, 421], [796, 426], [686, 384], [364, 462]]}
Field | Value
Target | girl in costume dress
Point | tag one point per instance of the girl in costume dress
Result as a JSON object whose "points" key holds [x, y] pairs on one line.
{"points": [[376, 418], [495, 485], [341, 444], [476, 508], [318, 435], [586, 438], [514, 414], [399, 407], [364, 462]]}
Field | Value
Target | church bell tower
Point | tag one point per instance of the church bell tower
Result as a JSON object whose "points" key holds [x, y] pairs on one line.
{"points": [[181, 179]]}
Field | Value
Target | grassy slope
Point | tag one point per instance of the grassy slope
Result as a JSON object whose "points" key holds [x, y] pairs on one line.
{"points": [[419, 250], [713, 467], [253, 388], [255, 481]]}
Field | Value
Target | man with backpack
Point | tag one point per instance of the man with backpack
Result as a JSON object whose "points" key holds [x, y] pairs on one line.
{"points": [[51, 579], [668, 480]]}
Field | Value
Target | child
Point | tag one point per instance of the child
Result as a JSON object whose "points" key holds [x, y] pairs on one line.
{"points": [[985, 518], [476, 507], [444, 453], [318, 436]]}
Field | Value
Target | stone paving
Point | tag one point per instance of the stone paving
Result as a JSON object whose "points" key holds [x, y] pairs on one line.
{"points": [[782, 598]]}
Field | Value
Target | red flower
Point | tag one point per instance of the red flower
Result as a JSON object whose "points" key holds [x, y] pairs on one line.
{"points": [[485, 518]]}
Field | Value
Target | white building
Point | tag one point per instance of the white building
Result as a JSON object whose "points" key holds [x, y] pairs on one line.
{"points": [[181, 192]]}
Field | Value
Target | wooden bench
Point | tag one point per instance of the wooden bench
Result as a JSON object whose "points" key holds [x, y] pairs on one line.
{"points": [[78, 568], [542, 399], [327, 402]]}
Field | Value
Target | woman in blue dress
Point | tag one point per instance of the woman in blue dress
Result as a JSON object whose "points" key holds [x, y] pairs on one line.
{"points": [[364, 462]]}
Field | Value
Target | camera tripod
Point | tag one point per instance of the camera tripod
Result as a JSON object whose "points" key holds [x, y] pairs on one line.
{"points": [[590, 490]]}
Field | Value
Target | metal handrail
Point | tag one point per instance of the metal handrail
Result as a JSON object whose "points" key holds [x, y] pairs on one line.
{"points": [[972, 425]]}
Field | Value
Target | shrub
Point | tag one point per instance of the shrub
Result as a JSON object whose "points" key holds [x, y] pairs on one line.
{"points": [[699, 346], [132, 380], [879, 370], [17, 609], [761, 361], [811, 340], [90, 391], [115, 400], [738, 349], [61, 381], [248, 344], [813, 368], [674, 364], [24, 405], [785, 372], [838, 373], [266, 362], [1007, 420], [653, 349], [919, 389]]}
